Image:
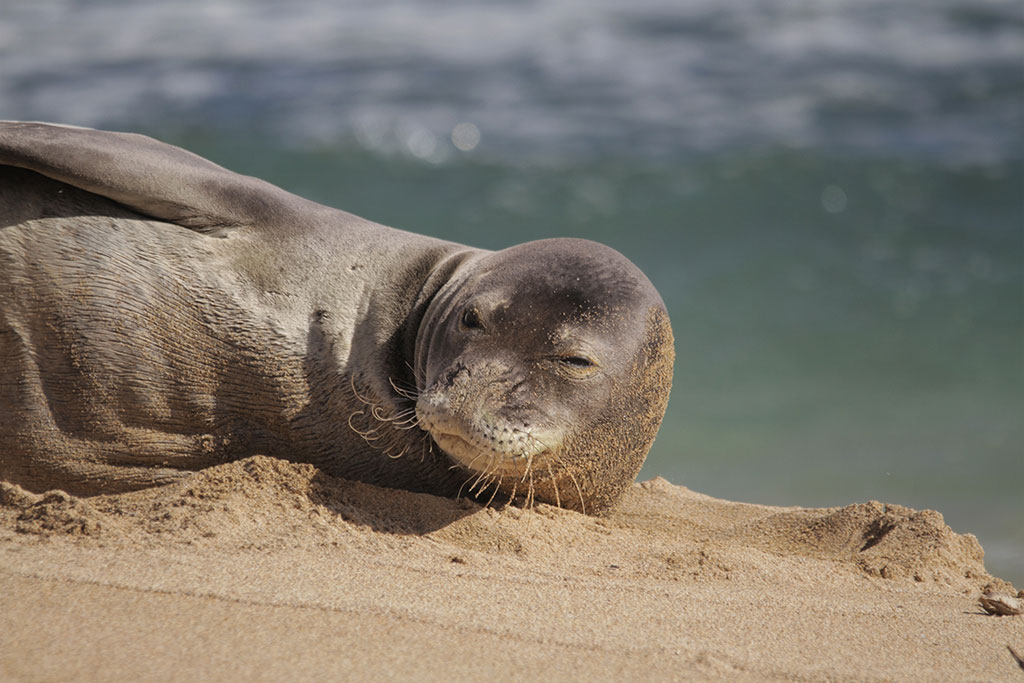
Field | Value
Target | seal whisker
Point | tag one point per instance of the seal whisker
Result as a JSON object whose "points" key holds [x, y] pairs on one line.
{"points": [[401, 415], [512, 496], [416, 376], [526, 473], [470, 492], [365, 434], [458, 494], [475, 479], [529, 461], [369, 435], [406, 419], [490, 476], [497, 487], [482, 481], [554, 485], [355, 392], [410, 394], [553, 454], [583, 503], [572, 478], [409, 422], [478, 476]]}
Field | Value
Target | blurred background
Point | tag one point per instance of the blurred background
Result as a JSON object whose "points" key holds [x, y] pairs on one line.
{"points": [[829, 194]]}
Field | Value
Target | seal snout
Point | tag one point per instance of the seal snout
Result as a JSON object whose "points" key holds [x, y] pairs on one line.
{"points": [[477, 434]]}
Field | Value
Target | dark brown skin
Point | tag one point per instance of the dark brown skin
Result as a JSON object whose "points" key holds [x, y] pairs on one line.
{"points": [[160, 314]]}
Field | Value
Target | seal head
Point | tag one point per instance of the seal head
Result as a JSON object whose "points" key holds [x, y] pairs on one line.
{"points": [[544, 370]]}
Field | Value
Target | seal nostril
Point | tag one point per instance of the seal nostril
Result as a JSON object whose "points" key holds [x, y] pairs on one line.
{"points": [[449, 376]]}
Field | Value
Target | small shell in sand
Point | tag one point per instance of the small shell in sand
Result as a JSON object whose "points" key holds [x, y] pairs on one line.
{"points": [[1001, 604]]}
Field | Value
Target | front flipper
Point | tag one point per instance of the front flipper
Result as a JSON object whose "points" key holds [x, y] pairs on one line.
{"points": [[151, 177]]}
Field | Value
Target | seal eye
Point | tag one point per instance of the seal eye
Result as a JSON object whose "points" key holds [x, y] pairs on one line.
{"points": [[575, 367], [471, 319]]}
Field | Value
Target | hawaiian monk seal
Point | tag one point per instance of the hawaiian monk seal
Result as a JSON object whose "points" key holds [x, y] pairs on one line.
{"points": [[160, 314]]}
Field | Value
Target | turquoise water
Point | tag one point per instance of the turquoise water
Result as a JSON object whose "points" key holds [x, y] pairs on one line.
{"points": [[829, 198]]}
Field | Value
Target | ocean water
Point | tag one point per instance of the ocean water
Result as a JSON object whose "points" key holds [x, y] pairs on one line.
{"points": [[829, 195]]}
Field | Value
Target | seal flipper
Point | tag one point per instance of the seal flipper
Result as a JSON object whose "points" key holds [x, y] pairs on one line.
{"points": [[153, 178]]}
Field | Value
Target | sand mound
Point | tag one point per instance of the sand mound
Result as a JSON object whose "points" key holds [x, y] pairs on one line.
{"points": [[890, 541], [669, 583], [54, 512], [263, 502]]}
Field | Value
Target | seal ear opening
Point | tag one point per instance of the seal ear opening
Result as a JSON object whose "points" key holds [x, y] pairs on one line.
{"points": [[606, 455], [470, 319]]}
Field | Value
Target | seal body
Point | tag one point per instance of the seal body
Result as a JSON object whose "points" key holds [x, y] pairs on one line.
{"points": [[133, 350], [160, 314]]}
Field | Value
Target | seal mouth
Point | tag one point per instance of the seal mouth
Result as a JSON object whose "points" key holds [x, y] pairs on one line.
{"points": [[482, 442], [477, 459]]}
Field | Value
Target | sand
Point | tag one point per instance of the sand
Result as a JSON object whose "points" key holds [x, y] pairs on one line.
{"points": [[265, 570]]}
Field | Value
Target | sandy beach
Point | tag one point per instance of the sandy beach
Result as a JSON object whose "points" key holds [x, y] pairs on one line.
{"points": [[265, 570]]}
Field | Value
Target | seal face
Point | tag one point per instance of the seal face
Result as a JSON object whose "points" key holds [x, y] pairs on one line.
{"points": [[531, 366], [160, 314]]}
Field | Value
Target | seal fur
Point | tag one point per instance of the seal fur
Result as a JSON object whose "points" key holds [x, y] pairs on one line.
{"points": [[160, 314]]}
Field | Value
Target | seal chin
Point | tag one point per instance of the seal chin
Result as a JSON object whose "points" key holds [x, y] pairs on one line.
{"points": [[484, 444], [486, 459]]}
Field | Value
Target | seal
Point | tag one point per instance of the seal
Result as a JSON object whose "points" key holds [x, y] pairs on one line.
{"points": [[160, 314]]}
